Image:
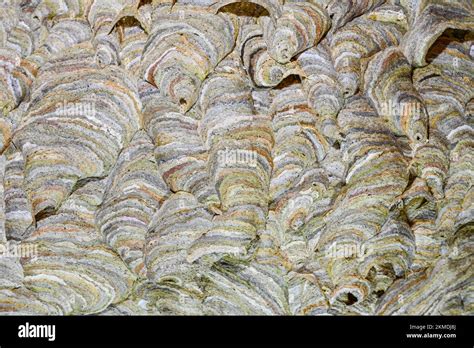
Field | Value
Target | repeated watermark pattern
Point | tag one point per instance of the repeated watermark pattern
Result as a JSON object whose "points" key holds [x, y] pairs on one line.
{"points": [[393, 109], [346, 250], [84, 108], [18, 250]]}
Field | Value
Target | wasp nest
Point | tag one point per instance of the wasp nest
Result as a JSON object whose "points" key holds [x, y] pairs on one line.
{"points": [[201, 157]]}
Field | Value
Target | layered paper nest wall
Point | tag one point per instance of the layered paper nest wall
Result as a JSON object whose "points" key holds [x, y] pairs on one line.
{"points": [[236, 157]]}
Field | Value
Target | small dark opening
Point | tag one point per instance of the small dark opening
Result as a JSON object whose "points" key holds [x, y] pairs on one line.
{"points": [[449, 36], [288, 81], [245, 9], [379, 293], [144, 2], [43, 214], [350, 299]]}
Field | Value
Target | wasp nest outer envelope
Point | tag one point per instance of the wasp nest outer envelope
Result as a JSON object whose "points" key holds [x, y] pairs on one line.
{"points": [[270, 157]]}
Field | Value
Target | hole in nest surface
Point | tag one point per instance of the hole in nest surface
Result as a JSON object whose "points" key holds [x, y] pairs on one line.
{"points": [[245, 9]]}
